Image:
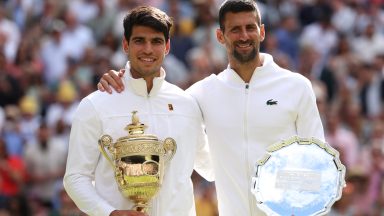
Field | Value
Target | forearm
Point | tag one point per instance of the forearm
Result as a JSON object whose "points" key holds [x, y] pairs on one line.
{"points": [[83, 193], [83, 158], [203, 161]]}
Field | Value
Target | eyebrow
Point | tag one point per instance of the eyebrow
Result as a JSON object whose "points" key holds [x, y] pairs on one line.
{"points": [[142, 37], [239, 26]]}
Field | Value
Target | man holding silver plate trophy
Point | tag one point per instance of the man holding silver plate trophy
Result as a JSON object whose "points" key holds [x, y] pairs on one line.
{"points": [[133, 153], [251, 105]]}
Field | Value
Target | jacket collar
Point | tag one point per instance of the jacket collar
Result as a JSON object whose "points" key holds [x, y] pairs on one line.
{"points": [[230, 76], [139, 86]]}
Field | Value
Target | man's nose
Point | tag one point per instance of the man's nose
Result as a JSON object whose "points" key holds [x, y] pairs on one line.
{"points": [[244, 35], [148, 48]]}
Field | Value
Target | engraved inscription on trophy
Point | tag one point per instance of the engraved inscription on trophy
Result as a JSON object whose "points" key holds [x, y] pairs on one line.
{"points": [[298, 180], [138, 161]]}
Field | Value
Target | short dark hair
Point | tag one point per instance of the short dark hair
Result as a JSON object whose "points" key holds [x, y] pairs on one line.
{"points": [[147, 16], [236, 6]]}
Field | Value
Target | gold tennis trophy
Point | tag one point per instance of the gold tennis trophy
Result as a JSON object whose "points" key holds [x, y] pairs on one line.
{"points": [[138, 161]]}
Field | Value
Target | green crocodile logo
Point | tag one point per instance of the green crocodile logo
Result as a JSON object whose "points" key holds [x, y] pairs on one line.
{"points": [[271, 102]]}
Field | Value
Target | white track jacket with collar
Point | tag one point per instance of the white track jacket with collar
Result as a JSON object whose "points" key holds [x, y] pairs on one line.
{"points": [[242, 119], [168, 112]]}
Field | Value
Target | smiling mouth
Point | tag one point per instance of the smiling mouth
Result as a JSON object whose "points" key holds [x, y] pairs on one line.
{"points": [[244, 45], [147, 60]]}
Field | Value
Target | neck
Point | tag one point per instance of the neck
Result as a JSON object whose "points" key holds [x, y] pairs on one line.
{"points": [[149, 81], [245, 70]]}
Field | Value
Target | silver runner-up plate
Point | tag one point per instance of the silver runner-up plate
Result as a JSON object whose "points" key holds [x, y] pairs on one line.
{"points": [[298, 177]]}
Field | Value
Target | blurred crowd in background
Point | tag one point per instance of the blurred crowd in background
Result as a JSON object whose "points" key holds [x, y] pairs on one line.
{"points": [[52, 54]]}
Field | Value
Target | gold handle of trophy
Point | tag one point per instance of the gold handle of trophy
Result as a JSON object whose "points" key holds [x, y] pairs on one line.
{"points": [[170, 147], [106, 141]]}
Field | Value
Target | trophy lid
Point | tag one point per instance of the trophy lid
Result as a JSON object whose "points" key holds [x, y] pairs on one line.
{"points": [[135, 127], [136, 130]]}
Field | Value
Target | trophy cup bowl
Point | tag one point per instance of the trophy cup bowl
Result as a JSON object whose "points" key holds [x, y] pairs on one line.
{"points": [[139, 162]]}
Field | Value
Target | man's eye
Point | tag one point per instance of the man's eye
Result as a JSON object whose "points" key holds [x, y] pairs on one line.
{"points": [[157, 42], [138, 41]]}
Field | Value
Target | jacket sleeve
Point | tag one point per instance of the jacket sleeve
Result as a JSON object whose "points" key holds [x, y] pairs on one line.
{"points": [[308, 121], [203, 162], [82, 160]]}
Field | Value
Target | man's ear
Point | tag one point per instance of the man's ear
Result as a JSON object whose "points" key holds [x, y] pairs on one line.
{"points": [[262, 32], [220, 36], [125, 46], [167, 47]]}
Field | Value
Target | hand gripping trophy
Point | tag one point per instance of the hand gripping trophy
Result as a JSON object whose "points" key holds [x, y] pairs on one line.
{"points": [[138, 161]]}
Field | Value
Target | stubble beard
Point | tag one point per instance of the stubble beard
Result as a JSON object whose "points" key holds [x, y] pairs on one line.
{"points": [[142, 72], [245, 58]]}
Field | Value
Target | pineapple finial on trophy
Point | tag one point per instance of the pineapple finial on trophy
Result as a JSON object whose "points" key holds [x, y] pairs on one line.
{"points": [[135, 127]]}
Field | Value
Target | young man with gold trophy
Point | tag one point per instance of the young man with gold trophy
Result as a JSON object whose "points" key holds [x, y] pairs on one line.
{"points": [[141, 163]]}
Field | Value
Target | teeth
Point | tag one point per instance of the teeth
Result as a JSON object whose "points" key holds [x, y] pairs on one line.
{"points": [[243, 45], [147, 59]]}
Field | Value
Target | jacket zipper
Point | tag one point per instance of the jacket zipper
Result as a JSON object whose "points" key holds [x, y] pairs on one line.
{"points": [[151, 123], [250, 198]]}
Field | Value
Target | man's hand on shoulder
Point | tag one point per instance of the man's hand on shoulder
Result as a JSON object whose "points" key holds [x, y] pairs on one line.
{"points": [[111, 79], [127, 213]]}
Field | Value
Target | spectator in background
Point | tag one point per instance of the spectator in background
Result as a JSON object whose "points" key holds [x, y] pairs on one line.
{"points": [[377, 13], [321, 30], [178, 72], [342, 139], [310, 67], [12, 176], [9, 36], [122, 6], [12, 136], [181, 32], [287, 38], [271, 46], [102, 23], [29, 118], [84, 10], [77, 37], [344, 17], [356, 184], [371, 42], [200, 63], [49, 14], [204, 36], [10, 91], [367, 202], [369, 91], [65, 106], [344, 62], [45, 162], [55, 55]]}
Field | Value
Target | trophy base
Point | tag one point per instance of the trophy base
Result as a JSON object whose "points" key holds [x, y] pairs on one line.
{"points": [[141, 207]]}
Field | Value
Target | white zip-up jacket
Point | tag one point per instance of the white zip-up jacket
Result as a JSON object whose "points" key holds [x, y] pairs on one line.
{"points": [[168, 112], [242, 119]]}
